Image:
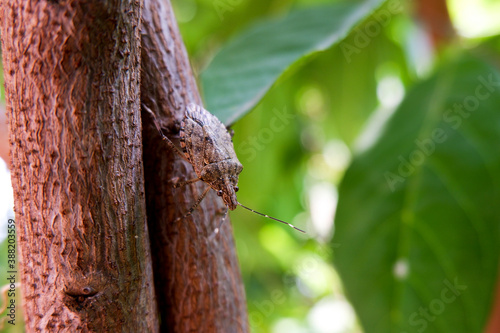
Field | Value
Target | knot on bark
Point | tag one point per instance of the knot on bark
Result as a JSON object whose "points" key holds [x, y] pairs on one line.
{"points": [[81, 288]]}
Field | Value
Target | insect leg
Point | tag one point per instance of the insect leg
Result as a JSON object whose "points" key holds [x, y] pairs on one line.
{"points": [[185, 182], [164, 137], [198, 201]]}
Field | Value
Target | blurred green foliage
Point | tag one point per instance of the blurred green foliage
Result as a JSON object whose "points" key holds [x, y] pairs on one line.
{"points": [[341, 106], [429, 219], [243, 70]]}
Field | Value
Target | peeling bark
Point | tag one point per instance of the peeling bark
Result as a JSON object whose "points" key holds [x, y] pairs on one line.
{"points": [[72, 77], [197, 281]]}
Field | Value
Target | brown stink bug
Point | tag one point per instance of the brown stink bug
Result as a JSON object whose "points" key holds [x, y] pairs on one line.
{"points": [[206, 144]]}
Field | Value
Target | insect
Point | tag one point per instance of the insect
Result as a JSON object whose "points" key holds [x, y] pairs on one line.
{"points": [[207, 145]]}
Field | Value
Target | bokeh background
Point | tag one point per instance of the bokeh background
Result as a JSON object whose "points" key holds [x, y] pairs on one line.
{"points": [[324, 112]]}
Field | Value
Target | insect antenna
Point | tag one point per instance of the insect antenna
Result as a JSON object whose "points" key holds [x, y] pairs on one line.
{"points": [[272, 218]]}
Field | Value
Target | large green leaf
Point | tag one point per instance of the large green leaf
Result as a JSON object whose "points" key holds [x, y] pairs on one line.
{"points": [[244, 70], [418, 214]]}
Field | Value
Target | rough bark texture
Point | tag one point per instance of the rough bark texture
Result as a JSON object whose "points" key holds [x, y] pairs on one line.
{"points": [[197, 280], [72, 73]]}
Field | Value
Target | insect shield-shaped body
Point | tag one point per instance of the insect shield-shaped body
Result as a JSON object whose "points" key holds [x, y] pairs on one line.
{"points": [[207, 145]]}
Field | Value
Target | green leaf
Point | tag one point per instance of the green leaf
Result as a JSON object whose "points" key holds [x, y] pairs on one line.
{"points": [[244, 70], [417, 220]]}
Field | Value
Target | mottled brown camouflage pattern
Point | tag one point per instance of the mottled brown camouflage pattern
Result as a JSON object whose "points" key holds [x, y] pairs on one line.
{"points": [[207, 145]]}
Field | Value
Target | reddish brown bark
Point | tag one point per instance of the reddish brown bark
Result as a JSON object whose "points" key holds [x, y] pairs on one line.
{"points": [[72, 72], [197, 280], [435, 17]]}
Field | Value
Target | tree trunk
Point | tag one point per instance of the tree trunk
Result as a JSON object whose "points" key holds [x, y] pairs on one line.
{"points": [[72, 77], [434, 16], [197, 280]]}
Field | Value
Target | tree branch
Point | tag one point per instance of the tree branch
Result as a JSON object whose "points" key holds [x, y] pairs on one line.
{"points": [[197, 281]]}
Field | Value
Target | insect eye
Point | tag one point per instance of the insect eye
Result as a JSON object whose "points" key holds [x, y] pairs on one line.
{"points": [[219, 193], [236, 189]]}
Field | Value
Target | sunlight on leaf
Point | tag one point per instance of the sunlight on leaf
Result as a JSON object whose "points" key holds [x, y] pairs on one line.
{"points": [[417, 219], [244, 70]]}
